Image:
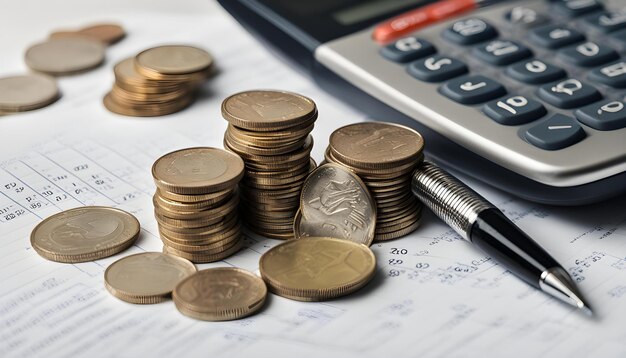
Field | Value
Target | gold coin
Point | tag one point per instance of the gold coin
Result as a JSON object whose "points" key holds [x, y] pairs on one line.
{"points": [[222, 210], [376, 144], [65, 56], [264, 110], [175, 205], [145, 278], [216, 197], [399, 233], [317, 268], [197, 170], [205, 256], [220, 294], [129, 79], [84, 234], [107, 33], [27, 92], [336, 203], [174, 60]]}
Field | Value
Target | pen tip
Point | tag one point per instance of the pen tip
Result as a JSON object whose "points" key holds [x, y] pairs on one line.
{"points": [[557, 282]]}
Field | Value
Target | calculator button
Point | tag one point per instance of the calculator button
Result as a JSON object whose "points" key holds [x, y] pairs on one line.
{"points": [[437, 68], [555, 36], [620, 36], [613, 74], [573, 8], [525, 17], [588, 54], [569, 93], [501, 52], [472, 89], [514, 110], [408, 49], [535, 72], [608, 21], [469, 31], [605, 116], [557, 132]]}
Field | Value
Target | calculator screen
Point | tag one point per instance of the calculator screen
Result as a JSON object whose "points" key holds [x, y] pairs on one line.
{"points": [[325, 20]]}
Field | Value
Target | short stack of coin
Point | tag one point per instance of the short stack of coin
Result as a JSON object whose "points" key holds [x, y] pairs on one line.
{"points": [[196, 203], [270, 131], [158, 81], [383, 155]]}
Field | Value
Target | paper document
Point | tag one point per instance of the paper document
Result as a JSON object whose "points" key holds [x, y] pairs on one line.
{"points": [[434, 295]]}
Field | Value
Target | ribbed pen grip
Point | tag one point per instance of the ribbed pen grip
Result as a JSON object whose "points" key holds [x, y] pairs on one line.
{"points": [[452, 201]]}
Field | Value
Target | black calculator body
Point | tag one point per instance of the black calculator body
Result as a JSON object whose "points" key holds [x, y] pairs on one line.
{"points": [[528, 96]]}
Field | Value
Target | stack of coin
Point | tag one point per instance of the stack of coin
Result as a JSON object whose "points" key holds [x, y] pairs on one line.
{"points": [[270, 131], [383, 155], [26, 93], [196, 203], [158, 81], [317, 268]]}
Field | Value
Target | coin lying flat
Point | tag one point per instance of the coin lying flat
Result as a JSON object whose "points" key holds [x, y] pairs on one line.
{"points": [[267, 110], [65, 56], [84, 234], [317, 268], [105, 33], [220, 294], [173, 60], [27, 92], [145, 278], [336, 203], [197, 170]]}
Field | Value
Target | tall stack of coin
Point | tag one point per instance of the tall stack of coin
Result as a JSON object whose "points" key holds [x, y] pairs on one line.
{"points": [[270, 131], [196, 203], [383, 155], [158, 81]]}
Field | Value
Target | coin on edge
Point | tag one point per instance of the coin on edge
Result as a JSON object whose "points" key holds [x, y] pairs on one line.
{"points": [[335, 203], [317, 268], [197, 170], [84, 234], [220, 294], [65, 56], [148, 277], [27, 92]]}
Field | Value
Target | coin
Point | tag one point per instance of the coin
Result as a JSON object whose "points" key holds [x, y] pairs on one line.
{"points": [[163, 61], [84, 234], [145, 278], [198, 170], [205, 256], [220, 294], [317, 268], [336, 203], [265, 110], [107, 33], [65, 56], [26, 92]]}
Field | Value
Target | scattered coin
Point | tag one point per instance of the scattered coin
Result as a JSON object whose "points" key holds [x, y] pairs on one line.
{"points": [[317, 268], [84, 234], [67, 56], [220, 294], [105, 33], [145, 278], [383, 155], [270, 130], [336, 203], [196, 203], [158, 81], [26, 92]]}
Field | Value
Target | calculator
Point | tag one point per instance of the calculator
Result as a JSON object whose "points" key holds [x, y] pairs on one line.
{"points": [[528, 96]]}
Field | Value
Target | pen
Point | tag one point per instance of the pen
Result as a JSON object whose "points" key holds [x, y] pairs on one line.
{"points": [[481, 223]]}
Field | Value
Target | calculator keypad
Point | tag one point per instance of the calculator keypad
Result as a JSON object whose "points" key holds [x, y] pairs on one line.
{"points": [[574, 8], [514, 110], [437, 68], [535, 72], [470, 31], [608, 21], [588, 54], [472, 89], [569, 93], [557, 132], [613, 74], [501, 52], [408, 49], [604, 116], [555, 36]]}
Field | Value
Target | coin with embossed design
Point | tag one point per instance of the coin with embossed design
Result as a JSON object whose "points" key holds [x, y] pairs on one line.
{"points": [[197, 170], [84, 234], [220, 294], [148, 277], [335, 203], [317, 268]]}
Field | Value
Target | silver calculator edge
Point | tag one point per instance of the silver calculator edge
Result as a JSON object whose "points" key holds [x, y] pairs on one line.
{"points": [[356, 59]]}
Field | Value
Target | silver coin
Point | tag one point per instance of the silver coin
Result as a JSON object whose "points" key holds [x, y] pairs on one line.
{"points": [[27, 92], [336, 203], [65, 56]]}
